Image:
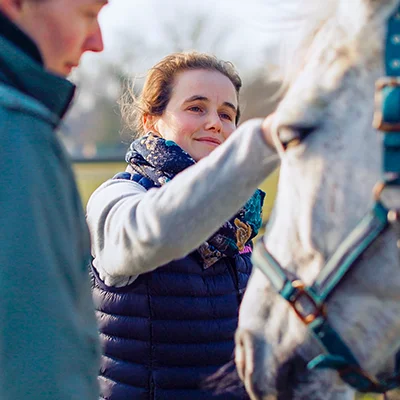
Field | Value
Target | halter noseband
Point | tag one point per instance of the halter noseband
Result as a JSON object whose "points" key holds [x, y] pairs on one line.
{"points": [[338, 356]]}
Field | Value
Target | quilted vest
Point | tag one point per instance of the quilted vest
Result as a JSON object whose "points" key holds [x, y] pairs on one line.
{"points": [[169, 330]]}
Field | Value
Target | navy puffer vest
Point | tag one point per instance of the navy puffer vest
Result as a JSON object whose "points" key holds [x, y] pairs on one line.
{"points": [[169, 330]]}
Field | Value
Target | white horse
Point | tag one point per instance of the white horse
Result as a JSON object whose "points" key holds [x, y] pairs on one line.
{"points": [[325, 189]]}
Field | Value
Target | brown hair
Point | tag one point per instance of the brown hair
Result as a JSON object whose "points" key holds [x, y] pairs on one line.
{"points": [[159, 82]]}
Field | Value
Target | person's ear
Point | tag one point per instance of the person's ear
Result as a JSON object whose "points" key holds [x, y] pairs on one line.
{"points": [[150, 123], [12, 9]]}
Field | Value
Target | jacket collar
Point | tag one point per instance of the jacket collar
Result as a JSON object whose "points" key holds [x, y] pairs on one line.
{"points": [[21, 66]]}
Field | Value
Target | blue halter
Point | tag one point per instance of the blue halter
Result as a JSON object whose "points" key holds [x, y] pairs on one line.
{"points": [[338, 356]]}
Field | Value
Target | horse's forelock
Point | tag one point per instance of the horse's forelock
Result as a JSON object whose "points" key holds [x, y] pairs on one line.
{"points": [[297, 22]]}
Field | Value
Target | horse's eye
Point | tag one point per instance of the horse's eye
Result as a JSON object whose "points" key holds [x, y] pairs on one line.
{"points": [[292, 135]]}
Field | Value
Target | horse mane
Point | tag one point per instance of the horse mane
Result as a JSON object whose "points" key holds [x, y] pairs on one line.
{"points": [[294, 23]]}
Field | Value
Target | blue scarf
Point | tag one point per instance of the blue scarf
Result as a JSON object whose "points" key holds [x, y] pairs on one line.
{"points": [[159, 160]]}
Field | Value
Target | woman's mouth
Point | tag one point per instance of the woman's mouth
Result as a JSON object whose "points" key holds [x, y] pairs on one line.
{"points": [[210, 141]]}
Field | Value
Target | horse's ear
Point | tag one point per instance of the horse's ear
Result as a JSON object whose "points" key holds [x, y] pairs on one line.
{"points": [[356, 14], [362, 12]]}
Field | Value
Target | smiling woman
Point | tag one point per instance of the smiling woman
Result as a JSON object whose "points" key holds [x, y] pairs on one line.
{"points": [[185, 97], [201, 113], [159, 84], [172, 235]]}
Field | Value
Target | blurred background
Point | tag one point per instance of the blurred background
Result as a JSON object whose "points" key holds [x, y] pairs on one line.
{"points": [[139, 33]]}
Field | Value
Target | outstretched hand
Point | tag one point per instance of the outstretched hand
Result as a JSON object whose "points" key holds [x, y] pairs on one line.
{"points": [[266, 129]]}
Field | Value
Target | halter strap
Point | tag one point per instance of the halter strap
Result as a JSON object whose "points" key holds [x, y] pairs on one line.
{"points": [[338, 355], [370, 227], [387, 102]]}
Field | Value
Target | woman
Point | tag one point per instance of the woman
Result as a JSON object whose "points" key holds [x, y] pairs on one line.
{"points": [[169, 271]]}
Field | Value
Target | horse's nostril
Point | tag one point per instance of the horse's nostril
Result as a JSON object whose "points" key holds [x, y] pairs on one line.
{"points": [[292, 135], [290, 374]]}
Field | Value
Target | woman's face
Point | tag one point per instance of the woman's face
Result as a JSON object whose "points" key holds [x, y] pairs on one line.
{"points": [[201, 112]]}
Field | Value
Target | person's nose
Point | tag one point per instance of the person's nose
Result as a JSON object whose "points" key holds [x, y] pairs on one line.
{"points": [[95, 41], [214, 123]]}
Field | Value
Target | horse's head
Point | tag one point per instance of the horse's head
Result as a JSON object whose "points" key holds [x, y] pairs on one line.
{"points": [[325, 188]]}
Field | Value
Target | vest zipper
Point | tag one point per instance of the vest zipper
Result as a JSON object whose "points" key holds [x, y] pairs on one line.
{"points": [[233, 272], [152, 387], [151, 383]]}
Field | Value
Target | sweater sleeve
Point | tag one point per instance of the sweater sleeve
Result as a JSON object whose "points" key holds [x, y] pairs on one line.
{"points": [[135, 231]]}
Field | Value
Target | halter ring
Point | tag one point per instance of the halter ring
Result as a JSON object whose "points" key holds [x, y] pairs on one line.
{"points": [[318, 310], [380, 96]]}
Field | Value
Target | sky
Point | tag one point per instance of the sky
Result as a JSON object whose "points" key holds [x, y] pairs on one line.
{"points": [[238, 22]]}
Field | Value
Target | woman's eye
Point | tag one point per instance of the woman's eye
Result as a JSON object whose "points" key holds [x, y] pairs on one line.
{"points": [[226, 116], [195, 109]]}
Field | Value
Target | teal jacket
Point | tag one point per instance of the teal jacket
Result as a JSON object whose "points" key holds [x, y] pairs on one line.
{"points": [[48, 336]]}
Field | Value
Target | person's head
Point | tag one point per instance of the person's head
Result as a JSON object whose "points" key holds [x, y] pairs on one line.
{"points": [[190, 98], [62, 29]]}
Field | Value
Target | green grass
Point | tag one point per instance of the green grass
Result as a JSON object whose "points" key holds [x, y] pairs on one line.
{"points": [[91, 175], [393, 395]]}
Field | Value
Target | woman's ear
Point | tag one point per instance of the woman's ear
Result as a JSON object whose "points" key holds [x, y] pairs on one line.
{"points": [[12, 9], [149, 123]]}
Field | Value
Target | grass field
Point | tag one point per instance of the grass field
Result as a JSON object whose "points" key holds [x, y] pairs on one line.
{"points": [[91, 175], [394, 395]]}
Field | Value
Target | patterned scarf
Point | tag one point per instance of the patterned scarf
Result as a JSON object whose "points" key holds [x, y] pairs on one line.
{"points": [[159, 160]]}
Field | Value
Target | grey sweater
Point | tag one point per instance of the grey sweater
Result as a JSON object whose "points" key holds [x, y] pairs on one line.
{"points": [[135, 231]]}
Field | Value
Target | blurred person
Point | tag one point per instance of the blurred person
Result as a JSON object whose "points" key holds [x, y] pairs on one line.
{"points": [[171, 236], [48, 337]]}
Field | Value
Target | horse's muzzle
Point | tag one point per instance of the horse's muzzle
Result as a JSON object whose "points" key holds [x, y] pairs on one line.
{"points": [[249, 361]]}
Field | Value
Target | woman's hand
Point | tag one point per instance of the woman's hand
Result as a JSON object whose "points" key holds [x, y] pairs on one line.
{"points": [[266, 129]]}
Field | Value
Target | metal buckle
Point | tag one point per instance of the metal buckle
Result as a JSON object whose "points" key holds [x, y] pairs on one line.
{"points": [[378, 122], [390, 181], [319, 310], [378, 189]]}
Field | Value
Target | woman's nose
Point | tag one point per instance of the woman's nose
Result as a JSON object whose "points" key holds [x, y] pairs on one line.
{"points": [[214, 122]]}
